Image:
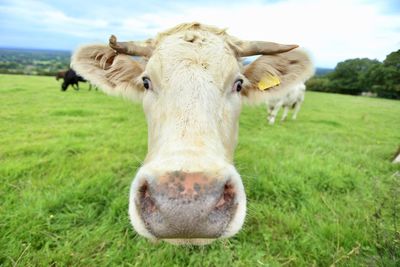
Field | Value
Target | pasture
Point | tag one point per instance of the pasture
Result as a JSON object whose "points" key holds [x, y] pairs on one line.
{"points": [[321, 190]]}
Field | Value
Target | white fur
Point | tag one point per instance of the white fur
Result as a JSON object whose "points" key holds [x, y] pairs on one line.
{"points": [[194, 108]]}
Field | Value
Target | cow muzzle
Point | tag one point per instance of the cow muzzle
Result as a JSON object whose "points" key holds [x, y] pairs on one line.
{"points": [[181, 205]]}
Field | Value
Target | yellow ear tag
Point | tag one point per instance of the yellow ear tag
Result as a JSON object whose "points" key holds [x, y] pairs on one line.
{"points": [[268, 81]]}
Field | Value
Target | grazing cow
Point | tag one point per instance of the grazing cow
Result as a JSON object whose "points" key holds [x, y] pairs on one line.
{"points": [[188, 191], [292, 99], [71, 78]]}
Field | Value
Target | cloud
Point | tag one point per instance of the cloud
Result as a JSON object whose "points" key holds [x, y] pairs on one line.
{"points": [[39, 16], [332, 30]]}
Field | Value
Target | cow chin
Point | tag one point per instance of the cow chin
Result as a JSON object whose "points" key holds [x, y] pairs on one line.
{"points": [[187, 208], [192, 241]]}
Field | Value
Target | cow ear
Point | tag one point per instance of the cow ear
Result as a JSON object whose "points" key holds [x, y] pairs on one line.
{"points": [[275, 73], [115, 74]]}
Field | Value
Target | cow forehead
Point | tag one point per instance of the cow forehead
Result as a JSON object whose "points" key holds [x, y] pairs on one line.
{"points": [[201, 50]]}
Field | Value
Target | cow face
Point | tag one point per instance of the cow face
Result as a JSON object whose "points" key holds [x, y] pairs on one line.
{"points": [[188, 191]]}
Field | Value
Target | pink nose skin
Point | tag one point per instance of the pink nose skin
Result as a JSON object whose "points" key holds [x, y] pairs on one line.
{"points": [[187, 205]]}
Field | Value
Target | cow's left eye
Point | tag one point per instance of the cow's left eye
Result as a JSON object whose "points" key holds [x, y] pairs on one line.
{"points": [[237, 86], [147, 83]]}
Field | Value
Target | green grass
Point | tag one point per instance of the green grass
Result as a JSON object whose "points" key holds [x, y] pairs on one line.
{"points": [[321, 190]]}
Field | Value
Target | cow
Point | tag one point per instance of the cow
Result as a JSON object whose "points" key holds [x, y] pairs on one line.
{"points": [[191, 85], [291, 100], [71, 78]]}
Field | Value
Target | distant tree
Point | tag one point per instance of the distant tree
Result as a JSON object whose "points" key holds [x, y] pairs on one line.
{"points": [[375, 78], [392, 67], [350, 76], [354, 76], [384, 79], [393, 60], [320, 84]]}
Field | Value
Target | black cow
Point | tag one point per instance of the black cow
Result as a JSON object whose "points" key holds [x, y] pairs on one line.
{"points": [[73, 79]]}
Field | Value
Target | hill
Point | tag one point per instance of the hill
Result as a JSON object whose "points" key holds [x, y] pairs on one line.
{"points": [[33, 61]]}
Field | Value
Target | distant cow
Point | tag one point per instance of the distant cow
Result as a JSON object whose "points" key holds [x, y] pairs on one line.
{"points": [[291, 100], [71, 78]]}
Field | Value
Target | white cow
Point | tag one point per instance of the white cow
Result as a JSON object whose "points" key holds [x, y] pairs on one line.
{"points": [[192, 86], [291, 100]]}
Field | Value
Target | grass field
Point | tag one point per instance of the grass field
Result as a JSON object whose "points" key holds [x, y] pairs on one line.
{"points": [[321, 190]]}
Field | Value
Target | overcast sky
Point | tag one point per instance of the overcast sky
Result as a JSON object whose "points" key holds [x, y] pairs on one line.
{"points": [[332, 30]]}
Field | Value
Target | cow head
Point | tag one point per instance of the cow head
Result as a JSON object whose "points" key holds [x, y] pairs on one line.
{"points": [[191, 83]]}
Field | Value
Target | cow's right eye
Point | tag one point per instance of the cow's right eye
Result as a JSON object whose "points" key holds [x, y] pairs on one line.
{"points": [[147, 83], [237, 86]]}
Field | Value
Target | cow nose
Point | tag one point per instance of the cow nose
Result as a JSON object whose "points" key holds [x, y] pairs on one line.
{"points": [[187, 205]]}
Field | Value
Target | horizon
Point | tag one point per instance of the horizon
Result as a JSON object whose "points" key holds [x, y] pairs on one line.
{"points": [[71, 51], [33, 48], [365, 28]]}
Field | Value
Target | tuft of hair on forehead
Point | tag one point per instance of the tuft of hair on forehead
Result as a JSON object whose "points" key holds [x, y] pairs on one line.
{"points": [[193, 26]]}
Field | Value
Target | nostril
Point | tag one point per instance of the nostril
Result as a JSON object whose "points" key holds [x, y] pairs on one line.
{"points": [[227, 197], [204, 210], [146, 202]]}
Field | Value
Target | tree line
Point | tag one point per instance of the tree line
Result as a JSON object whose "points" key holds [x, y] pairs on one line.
{"points": [[362, 76]]}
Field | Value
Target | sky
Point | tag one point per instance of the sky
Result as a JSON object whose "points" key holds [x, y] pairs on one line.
{"points": [[331, 30]]}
